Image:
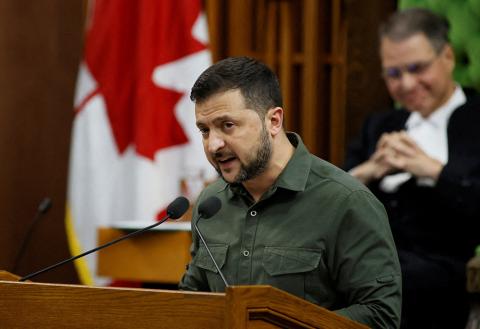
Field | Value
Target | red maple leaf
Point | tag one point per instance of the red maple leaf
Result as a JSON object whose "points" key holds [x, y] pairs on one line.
{"points": [[126, 41]]}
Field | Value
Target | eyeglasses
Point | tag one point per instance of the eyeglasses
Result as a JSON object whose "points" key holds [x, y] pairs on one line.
{"points": [[395, 73]]}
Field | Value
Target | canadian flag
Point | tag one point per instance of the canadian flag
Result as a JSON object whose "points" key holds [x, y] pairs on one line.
{"points": [[134, 139]]}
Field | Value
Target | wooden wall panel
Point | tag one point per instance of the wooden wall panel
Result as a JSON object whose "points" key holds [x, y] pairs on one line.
{"points": [[41, 45], [318, 49], [365, 89], [292, 37]]}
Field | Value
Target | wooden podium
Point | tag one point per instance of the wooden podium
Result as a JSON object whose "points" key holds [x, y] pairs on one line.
{"points": [[40, 305], [156, 256]]}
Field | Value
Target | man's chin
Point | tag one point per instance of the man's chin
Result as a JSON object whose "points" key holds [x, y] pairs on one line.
{"points": [[232, 177], [228, 177], [416, 105], [423, 110], [231, 180]]}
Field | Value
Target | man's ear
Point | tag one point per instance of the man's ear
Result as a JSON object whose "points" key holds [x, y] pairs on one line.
{"points": [[274, 120], [449, 56]]}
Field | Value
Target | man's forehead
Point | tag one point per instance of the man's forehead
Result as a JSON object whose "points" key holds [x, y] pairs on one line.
{"points": [[211, 109], [413, 48], [221, 100], [209, 112]]}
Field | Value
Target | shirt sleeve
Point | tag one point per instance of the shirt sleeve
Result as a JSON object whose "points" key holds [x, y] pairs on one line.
{"points": [[364, 263]]}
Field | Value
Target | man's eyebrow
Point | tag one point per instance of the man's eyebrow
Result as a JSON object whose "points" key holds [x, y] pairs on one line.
{"points": [[222, 118]]}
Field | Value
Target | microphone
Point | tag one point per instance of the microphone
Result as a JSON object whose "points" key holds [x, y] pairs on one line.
{"points": [[207, 209], [42, 209], [175, 210]]}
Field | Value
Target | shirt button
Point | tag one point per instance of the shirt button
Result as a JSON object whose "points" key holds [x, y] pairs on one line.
{"points": [[246, 253], [253, 213]]}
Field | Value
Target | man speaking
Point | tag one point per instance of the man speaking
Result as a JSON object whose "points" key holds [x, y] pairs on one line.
{"points": [[288, 219]]}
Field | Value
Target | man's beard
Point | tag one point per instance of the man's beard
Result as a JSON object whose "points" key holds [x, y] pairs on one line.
{"points": [[257, 165]]}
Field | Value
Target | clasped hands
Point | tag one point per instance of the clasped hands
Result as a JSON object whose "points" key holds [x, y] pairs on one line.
{"points": [[397, 151]]}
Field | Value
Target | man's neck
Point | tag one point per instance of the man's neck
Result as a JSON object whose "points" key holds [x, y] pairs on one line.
{"points": [[282, 152]]}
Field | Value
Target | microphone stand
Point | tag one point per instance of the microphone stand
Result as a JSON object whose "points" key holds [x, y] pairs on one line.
{"points": [[209, 252], [29, 276]]}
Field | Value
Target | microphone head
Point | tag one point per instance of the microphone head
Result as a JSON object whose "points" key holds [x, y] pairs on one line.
{"points": [[44, 205], [209, 207], [178, 207]]}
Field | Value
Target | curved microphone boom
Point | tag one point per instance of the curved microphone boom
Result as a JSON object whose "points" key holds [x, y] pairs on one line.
{"points": [[175, 210], [207, 209]]}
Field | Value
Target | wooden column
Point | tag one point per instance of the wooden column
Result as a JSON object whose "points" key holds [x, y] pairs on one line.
{"points": [[325, 54]]}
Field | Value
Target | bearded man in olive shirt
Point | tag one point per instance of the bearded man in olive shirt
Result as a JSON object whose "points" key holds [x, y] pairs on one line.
{"points": [[288, 219]]}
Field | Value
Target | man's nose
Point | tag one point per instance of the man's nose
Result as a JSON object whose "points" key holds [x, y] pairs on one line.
{"points": [[408, 81], [215, 142]]}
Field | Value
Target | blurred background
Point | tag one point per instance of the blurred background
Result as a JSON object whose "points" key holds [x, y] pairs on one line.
{"points": [[325, 53]]}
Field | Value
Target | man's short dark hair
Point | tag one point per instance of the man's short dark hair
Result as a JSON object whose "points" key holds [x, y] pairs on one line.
{"points": [[257, 83], [406, 23]]}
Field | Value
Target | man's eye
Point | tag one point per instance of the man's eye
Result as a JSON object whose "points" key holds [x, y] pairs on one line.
{"points": [[414, 68], [203, 131], [392, 72], [228, 125]]}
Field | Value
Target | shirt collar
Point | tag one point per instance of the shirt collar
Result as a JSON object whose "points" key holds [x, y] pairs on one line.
{"points": [[440, 116], [295, 174]]}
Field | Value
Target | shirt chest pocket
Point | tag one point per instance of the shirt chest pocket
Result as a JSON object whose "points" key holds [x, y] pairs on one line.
{"points": [[202, 260], [295, 270]]}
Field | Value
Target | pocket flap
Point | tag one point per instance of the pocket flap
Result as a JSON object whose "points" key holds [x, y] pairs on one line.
{"points": [[203, 260], [286, 260]]}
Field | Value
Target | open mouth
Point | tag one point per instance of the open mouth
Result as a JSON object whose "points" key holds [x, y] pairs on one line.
{"points": [[226, 160]]}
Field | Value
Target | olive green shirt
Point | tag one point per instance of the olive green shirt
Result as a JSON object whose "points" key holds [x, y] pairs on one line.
{"points": [[317, 233]]}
